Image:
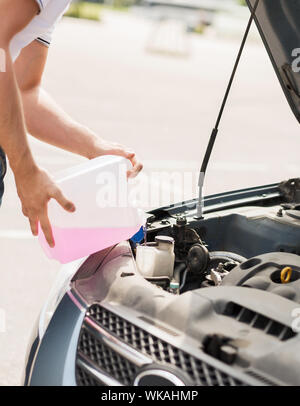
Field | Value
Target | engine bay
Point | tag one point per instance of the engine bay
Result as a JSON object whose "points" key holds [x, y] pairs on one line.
{"points": [[225, 288], [254, 246]]}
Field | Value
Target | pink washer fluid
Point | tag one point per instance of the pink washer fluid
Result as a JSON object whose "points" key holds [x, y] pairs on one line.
{"points": [[103, 216]]}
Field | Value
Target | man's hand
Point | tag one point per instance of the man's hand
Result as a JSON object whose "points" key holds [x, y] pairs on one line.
{"points": [[35, 189], [112, 148]]}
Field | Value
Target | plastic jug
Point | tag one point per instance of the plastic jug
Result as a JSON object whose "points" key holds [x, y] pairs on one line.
{"points": [[103, 216]]}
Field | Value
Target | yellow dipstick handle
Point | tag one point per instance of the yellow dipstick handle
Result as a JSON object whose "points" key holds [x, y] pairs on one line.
{"points": [[286, 274]]}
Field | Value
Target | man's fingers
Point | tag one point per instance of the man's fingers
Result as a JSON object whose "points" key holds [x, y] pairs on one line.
{"points": [[132, 173], [65, 203], [47, 230], [136, 168], [33, 225], [130, 155]]}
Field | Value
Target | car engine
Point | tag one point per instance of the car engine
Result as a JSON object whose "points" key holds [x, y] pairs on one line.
{"points": [[181, 257]]}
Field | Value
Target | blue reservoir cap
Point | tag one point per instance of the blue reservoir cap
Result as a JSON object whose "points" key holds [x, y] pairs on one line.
{"points": [[139, 236]]}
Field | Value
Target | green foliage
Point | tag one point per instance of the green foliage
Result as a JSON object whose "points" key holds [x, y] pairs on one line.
{"points": [[122, 4], [92, 10], [199, 29], [84, 9]]}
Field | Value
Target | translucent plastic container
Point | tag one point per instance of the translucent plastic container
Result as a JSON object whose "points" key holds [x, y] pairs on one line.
{"points": [[156, 260], [103, 216]]}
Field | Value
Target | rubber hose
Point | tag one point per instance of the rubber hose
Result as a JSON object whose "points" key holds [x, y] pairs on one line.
{"points": [[177, 271], [214, 255]]}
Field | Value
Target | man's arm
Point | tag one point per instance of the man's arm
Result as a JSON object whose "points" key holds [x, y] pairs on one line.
{"points": [[34, 186], [49, 123]]}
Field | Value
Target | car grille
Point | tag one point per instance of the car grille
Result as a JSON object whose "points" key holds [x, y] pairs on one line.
{"points": [[106, 359], [85, 378], [110, 361]]}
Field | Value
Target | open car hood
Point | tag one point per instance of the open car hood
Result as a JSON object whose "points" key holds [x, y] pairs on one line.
{"points": [[278, 22]]}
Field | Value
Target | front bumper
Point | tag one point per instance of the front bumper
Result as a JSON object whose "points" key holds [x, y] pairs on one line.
{"points": [[52, 359]]}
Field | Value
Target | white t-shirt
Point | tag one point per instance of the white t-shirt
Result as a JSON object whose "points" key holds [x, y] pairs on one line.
{"points": [[41, 26]]}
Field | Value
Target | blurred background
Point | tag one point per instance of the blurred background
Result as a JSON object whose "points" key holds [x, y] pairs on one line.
{"points": [[150, 74]]}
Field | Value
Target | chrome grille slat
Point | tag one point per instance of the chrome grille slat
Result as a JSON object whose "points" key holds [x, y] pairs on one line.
{"points": [[122, 349], [88, 368], [85, 378], [107, 360]]}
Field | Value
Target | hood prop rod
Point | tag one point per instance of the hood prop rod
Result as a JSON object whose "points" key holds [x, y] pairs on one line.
{"points": [[200, 203]]}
